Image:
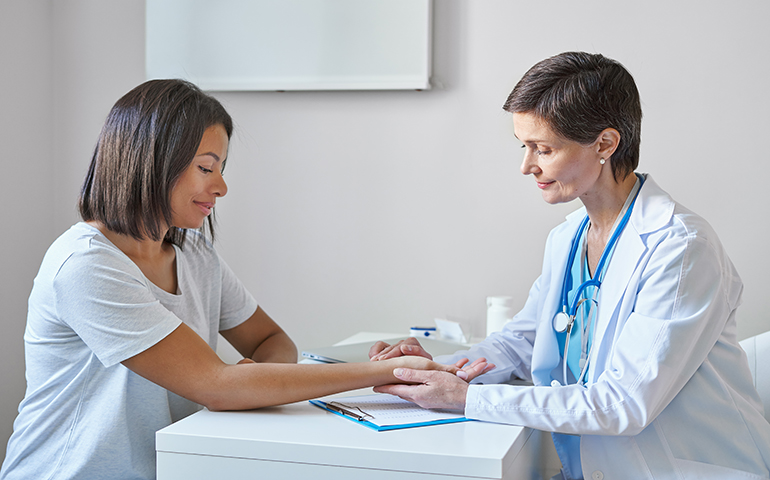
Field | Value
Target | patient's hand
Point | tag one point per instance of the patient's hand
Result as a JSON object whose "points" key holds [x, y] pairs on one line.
{"points": [[462, 369]]}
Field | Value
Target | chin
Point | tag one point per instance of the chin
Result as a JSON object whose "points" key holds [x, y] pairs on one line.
{"points": [[555, 200], [189, 225], [551, 200]]}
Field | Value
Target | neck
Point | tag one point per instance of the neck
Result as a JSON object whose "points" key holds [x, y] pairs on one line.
{"points": [[144, 249], [604, 207]]}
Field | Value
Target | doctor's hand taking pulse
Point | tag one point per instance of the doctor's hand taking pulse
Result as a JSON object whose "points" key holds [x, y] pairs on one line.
{"points": [[428, 389], [433, 389]]}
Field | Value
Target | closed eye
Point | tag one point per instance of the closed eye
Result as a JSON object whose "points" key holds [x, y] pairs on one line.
{"points": [[204, 169], [536, 151]]}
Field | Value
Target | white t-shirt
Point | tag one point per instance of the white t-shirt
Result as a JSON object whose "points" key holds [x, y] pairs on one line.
{"points": [[85, 415]]}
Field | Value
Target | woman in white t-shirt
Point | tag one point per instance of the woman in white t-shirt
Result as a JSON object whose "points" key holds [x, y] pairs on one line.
{"points": [[126, 308]]}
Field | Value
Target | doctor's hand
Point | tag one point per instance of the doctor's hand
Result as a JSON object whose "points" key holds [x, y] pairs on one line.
{"points": [[428, 388], [436, 388], [409, 346]]}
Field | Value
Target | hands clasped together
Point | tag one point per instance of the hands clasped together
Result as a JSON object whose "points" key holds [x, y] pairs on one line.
{"points": [[425, 385]]}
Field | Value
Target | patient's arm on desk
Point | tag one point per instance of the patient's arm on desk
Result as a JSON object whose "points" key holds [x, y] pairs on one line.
{"points": [[184, 363]]}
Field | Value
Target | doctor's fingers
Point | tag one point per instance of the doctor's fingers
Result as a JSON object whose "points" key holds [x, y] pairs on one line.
{"points": [[377, 349], [400, 390], [410, 346]]}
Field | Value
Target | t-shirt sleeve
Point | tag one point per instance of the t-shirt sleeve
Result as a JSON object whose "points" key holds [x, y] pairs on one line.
{"points": [[103, 297], [237, 303]]}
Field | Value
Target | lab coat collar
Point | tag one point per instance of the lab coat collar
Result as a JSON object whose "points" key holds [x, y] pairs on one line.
{"points": [[652, 211]]}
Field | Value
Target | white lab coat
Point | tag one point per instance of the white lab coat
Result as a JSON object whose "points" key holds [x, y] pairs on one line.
{"points": [[669, 393]]}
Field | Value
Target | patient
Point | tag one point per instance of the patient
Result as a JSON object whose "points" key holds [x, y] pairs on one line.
{"points": [[127, 304]]}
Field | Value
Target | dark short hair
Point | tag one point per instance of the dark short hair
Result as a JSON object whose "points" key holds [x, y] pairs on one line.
{"points": [[579, 95], [149, 139]]}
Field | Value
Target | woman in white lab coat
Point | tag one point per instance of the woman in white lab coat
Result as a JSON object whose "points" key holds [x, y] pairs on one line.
{"points": [[656, 384]]}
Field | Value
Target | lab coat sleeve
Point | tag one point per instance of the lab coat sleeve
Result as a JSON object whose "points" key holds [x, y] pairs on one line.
{"points": [[510, 349], [682, 295]]}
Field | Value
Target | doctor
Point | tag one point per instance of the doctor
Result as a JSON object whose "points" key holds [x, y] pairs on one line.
{"points": [[629, 333]]}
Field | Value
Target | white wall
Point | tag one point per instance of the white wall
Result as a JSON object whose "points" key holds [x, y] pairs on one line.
{"points": [[26, 130], [356, 211]]}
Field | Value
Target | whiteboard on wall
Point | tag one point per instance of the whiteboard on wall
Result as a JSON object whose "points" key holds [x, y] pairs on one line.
{"points": [[291, 44]]}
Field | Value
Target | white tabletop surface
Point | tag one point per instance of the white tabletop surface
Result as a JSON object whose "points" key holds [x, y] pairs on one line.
{"points": [[303, 431]]}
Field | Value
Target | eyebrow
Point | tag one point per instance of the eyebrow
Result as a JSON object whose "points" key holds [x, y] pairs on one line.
{"points": [[216, 157], [526, 141]]}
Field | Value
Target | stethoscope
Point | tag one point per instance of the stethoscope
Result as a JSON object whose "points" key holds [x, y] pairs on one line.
{"points": [[565, 320]]}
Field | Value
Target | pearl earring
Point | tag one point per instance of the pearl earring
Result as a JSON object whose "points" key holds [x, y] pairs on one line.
{"points": [[602, 161]]}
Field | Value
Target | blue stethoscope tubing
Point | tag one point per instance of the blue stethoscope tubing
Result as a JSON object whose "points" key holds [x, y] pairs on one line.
{"points": [[564, 320]]}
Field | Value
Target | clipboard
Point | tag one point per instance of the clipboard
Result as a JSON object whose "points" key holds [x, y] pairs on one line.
{"points": [[383, 412]]}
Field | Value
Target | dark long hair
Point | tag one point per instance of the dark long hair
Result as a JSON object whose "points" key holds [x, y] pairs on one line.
{"points": [[149, 139]]}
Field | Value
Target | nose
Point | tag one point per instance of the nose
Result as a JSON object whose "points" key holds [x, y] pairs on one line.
{"points": [[529, 162], [219, 186]]}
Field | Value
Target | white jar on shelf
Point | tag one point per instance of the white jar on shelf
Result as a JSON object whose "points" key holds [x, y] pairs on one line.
{"points": [[498, 313]]}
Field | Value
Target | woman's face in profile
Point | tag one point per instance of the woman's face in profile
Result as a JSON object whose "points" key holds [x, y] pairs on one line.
{"points": [[197, 190], [564, 170]]}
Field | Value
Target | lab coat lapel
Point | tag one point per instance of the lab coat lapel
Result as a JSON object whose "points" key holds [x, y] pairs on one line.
{"points": [[628, 251], [653, 210], [546, 356]]}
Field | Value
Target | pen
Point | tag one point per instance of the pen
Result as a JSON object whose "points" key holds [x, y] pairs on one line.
{"points": [[347, 410]]}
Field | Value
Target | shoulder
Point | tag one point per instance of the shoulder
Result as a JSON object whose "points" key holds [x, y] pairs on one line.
{"points": [[81, 249], [657, 215], [86, 266], [674, 235]]}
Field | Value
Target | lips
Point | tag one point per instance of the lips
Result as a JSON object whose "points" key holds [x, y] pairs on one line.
{"points": [[205, 207], [542, 185]]}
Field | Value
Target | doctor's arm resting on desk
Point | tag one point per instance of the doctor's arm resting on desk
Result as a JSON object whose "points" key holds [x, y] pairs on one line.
{"points": [[629, 332]]}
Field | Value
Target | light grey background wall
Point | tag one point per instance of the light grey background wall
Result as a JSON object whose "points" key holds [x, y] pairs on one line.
{"points": [[355, 211], [26, 139]]}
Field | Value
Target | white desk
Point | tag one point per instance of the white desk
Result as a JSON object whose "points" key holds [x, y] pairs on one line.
{"points": [[304, 441]]}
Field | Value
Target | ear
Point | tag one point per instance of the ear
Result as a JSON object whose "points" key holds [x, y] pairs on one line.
{"points": [[608, 142]]}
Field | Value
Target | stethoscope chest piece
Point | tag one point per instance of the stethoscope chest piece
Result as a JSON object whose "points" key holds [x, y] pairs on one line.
{"points": [[560, 322]]}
